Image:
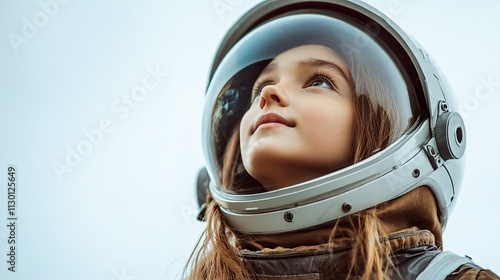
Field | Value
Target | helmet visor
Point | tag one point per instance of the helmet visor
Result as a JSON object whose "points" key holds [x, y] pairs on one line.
{"points": [[379, 82]]}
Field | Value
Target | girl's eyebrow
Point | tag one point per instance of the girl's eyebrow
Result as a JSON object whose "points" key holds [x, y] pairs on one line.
{"points": [[269, 68], [314, 62]]}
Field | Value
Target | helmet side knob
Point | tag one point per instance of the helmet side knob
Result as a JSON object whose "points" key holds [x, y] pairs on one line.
{"points": [[450, 134]]}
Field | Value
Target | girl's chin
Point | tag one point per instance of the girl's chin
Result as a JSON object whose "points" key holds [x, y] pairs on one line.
{"points": [[273, 178]]}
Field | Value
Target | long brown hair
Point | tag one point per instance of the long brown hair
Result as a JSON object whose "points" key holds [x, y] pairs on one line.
{"points": [[217, 254]]}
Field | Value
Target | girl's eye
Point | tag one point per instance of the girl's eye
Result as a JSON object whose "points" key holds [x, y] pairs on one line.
{"points": [[259, 85], [322, 82]]}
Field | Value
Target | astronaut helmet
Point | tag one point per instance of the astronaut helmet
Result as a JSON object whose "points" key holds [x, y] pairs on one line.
{"points": [[406, 129]]}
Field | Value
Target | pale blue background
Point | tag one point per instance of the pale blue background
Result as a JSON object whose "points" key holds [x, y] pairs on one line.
{"points": [[127, 210]]}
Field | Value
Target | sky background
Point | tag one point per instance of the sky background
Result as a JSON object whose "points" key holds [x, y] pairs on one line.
{"points": [[100, 114]]}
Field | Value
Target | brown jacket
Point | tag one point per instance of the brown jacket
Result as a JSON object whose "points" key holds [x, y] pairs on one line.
{"points": [[415, 239]]}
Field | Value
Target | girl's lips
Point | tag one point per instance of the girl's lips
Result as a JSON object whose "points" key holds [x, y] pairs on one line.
{"points": [[272, 118]]}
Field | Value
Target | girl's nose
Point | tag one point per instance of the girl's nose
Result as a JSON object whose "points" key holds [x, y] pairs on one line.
{"points": [[272, 94]]}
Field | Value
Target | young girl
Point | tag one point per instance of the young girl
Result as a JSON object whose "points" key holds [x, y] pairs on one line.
{"points": [[333, 148]]}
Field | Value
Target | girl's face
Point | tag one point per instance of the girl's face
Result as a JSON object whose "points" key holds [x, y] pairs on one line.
{"points": [[299, 125]]}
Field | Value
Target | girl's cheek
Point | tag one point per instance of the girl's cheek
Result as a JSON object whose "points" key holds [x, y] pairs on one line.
{"points": [[245, 120]]}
